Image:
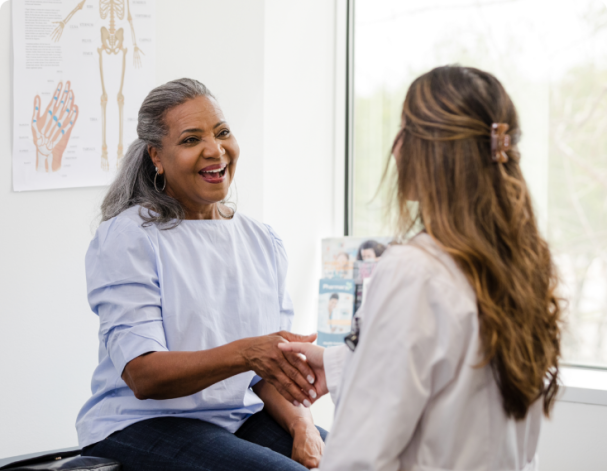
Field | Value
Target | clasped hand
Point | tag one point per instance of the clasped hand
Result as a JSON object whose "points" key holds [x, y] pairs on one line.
{"points": [[287, 371], [314, 360]]}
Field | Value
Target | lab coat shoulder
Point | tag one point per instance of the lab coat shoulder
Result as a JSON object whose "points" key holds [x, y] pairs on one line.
{"points": [[420, 295], [420, 271], [423, 259]]}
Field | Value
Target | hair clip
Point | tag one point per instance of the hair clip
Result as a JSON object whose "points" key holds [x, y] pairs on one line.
{"points": [[500, 142]]}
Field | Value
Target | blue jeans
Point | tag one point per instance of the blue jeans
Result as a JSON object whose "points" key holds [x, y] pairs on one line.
{"points": [[177, 444]]}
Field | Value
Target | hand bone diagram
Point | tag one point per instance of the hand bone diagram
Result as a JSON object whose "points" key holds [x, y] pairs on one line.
{"points": [[51, 129]]}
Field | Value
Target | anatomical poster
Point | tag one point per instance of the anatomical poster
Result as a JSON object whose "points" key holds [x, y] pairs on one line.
{"points": [[81, 71]]}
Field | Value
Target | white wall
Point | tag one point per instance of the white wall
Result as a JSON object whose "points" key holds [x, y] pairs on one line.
{"points": [[274, 81], [47, 339], [298, 139], [574, 438], [299, 147]]}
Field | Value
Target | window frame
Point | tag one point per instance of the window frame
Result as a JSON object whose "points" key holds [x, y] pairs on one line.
{"points": [[349, 119]]}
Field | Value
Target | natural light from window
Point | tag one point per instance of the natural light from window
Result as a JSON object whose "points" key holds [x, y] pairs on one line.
{"points": [[551, 57]]}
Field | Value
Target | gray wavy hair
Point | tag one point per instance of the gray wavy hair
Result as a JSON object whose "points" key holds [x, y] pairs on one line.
{"points": [[134, 184]]}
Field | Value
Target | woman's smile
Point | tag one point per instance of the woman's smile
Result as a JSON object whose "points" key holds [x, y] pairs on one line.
{"points": [[214, 173]]}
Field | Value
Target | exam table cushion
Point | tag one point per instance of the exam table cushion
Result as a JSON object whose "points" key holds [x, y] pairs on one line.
{"points": [[60, 460]]}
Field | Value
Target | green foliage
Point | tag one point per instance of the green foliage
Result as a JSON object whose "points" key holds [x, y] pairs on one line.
{"points": [[578, 205], [376, 122]]}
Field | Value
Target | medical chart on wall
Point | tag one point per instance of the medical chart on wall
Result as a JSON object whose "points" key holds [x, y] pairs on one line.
{"points": [[81, 71]]}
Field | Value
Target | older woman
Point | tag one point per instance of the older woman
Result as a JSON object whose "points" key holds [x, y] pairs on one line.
{"points": [[188, 293]]}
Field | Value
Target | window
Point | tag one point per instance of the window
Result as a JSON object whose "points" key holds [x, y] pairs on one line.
{"points": [[551, 57]]}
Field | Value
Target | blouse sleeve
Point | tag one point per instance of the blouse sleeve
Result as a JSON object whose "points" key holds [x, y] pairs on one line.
{"points": [[410, 347], [282, 264], [124, 291]]}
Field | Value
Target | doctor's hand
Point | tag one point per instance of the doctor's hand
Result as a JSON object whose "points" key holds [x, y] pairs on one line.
{"points": [[314, 358], [288, 372]]}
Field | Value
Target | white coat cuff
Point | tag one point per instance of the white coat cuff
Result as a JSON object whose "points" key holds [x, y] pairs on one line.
{"points": [[333, 359]]}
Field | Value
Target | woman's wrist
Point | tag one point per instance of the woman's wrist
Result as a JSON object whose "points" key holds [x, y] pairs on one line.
{"points": [[241, 347], [301, 425]]}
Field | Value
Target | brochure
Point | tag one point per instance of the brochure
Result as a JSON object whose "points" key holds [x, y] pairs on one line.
{"points": [[335, 310], [348, 264]]}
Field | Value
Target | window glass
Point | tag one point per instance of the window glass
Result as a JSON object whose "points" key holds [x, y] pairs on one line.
{"points": [[551, 56]]}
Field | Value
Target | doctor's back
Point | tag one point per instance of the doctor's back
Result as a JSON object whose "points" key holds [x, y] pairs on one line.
{"points": [[459, 342]]}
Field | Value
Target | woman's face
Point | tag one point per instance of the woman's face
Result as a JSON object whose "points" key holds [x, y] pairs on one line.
{"points": [[342, 262], [368, 255], [198, 156], [332, 304]]}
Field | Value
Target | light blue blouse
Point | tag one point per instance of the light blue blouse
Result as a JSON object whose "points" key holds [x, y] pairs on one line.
{"points": [[200, 285]]}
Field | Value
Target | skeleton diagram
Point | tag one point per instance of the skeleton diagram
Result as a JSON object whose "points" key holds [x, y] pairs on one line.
{"points": [[51, 130], [112, 42]]}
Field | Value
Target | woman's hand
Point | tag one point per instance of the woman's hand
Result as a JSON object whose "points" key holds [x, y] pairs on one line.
{"points": [[287, 371], [307, 446], [314, 358], [307, 442]]}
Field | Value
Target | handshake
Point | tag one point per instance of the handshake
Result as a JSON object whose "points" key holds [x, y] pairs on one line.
{"points": [[291, 363]]}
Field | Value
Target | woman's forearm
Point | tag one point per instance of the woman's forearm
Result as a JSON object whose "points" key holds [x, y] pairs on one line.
{"points": [[167, 375], [308, 445], [288, 416]]}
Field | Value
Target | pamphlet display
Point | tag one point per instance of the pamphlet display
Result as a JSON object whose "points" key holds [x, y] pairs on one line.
{"points": [[348, 264]]}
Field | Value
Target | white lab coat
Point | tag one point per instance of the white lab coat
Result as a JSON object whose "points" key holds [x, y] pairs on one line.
{"points": [[409, 398]]}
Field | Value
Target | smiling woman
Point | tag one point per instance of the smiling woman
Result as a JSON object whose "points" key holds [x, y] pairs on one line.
{"points": [[177, 159], [198, 129], [188, 294]]}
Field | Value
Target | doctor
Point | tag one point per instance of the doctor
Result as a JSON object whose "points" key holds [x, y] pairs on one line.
{"points": [[458, 346]]}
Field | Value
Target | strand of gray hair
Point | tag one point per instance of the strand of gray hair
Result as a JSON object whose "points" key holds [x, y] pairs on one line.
{"points": [[134, 183]]}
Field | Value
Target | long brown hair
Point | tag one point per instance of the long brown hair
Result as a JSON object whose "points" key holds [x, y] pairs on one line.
{"points": [[481, 213]]}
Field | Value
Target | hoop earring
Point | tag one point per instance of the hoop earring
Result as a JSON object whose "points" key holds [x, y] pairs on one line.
{"points": [[155, 177], [224, 215]]}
